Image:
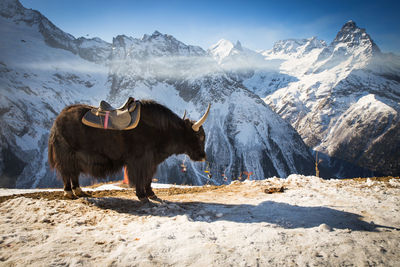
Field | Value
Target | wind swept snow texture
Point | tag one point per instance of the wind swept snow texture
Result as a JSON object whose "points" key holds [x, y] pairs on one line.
{"points": [[313, 222]]}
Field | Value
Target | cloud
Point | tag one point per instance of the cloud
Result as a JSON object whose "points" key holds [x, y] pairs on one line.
{"points": [[75, 66], [190, 67]]}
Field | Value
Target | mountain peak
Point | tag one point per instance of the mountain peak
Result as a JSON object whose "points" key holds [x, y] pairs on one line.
{"points": [[226, 46], [222, 43], [238, 46], [349, 27], [156, 33], [221, 49], [350, 24], [297, 47], [10, 7], [354, 36], [15, 10]]}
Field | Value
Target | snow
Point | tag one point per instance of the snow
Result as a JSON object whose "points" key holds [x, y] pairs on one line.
{"points": [[296, 80], [189, 82], [313, 222], [369, 111], [158, 67], [221, 49], [333, 92], [294, 48], [37, 82]]}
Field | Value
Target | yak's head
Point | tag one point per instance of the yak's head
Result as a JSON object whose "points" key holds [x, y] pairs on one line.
{"points": [[196, 137]]}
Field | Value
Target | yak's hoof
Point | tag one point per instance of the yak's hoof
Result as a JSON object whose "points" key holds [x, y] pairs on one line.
{"points": [[156, 198], [79, 193], [69, 195], [144, 200]]}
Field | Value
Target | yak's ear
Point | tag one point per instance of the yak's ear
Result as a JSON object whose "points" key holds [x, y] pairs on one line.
{"points": [[184, 115]]}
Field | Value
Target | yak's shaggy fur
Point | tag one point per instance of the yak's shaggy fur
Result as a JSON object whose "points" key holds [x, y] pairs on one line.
{"points": [[75, 148]]}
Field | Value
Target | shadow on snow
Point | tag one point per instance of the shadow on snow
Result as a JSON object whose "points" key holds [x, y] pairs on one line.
{"points": [[281, 214]]}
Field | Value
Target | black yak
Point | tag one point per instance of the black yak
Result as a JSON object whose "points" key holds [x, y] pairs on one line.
{"points": [[75, 148]]}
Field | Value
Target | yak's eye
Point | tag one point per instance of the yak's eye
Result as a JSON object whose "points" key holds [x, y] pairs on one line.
{"points": [[202, 138]]}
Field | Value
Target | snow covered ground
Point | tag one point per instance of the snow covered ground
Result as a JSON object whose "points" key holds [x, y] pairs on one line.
{"points": [[313, 222]]}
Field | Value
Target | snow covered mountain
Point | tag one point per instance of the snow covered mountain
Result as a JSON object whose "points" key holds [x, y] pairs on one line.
{"points": [[250, 68], [243, 134], [343, 98], [43, 69], [294, 48], [345, 102], [39, 75]]}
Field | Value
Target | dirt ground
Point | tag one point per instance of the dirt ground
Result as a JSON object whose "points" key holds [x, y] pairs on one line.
{"points": [[175, 193]]}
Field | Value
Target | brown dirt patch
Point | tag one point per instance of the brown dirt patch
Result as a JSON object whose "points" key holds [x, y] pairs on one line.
{"points": [[129, 193], [232, 190]]}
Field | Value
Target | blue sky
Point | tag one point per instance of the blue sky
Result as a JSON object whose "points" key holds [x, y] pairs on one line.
{"points": [[257, 24]]}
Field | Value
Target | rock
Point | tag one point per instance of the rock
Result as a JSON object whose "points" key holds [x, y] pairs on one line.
{"points": [[324, 228]]}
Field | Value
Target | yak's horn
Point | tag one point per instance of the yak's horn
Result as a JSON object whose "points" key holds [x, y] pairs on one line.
{"points": [[184, 115], [197, 125]]}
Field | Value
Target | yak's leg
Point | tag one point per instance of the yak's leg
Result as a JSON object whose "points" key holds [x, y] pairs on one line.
{"points": [[76, 188], [135, 176], [141, 193], [150, 193], [67, 186], [140, 174]]}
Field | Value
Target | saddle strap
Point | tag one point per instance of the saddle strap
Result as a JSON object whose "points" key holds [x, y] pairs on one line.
{"points": [[106, 119]]}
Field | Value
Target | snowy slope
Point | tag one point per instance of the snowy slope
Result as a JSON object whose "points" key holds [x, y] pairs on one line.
{"points": [[94, 49], [243, 134], [37, 81], [314, 222], [346, 100], [321, 90], [46, 69], [294, 48], [343, 98], [260, 75]]}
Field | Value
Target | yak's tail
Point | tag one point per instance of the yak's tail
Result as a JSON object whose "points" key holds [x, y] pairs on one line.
{"points": [[51, 152]]}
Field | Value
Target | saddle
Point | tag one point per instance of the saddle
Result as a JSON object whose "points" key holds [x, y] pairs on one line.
{"points": [[105, 116]]}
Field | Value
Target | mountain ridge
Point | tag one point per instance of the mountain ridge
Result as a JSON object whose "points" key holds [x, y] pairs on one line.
{"points": [[345, 73], [65, 70], [342, 98]]}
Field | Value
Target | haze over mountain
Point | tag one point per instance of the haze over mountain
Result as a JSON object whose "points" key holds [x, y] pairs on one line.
{"points": [[342, 98], [46, 69]]}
